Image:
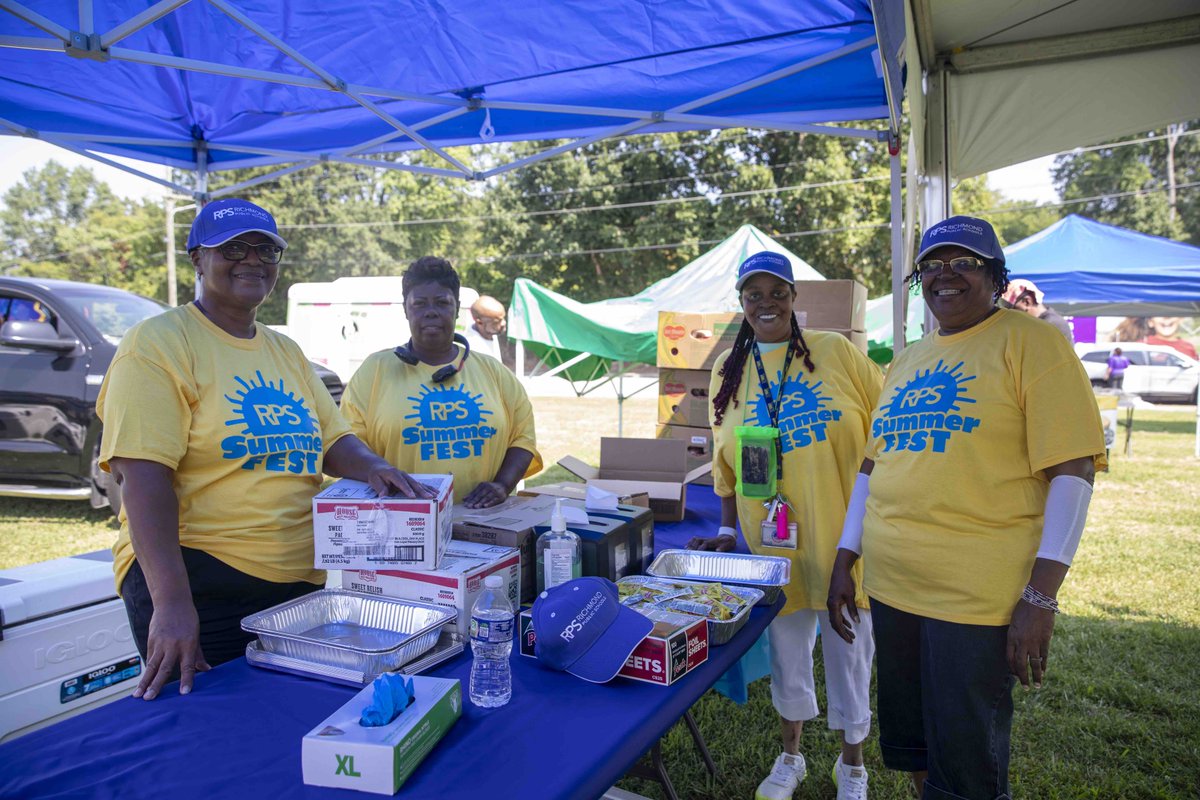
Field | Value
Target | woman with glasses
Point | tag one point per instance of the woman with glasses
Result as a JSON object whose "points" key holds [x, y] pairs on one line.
{"points": [[791, 411], [218, 432], [967, 511], [432, 406]]}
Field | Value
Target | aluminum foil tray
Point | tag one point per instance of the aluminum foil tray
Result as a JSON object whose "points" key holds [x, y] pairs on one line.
{"points": [[339, 628], [719, 631], [768, 574], [448, 645]]}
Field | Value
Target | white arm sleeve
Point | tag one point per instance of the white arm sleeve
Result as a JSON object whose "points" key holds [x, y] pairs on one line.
{"points": [[1066, 512], [852, 528]]}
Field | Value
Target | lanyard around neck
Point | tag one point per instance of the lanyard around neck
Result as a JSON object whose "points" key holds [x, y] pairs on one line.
{"points": [[774, 402]]}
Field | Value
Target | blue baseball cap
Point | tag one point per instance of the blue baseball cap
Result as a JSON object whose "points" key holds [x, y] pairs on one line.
{"points": [[222, 220], [765, 261], [970, 233], [583, 629]]}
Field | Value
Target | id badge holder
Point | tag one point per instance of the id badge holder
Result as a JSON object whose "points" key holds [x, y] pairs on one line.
{"points": [[777, 529], [756, 459]]}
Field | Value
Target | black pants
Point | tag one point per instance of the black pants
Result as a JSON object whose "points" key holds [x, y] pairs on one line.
{"points": [[223, 596], [1117, 381], [944, 698]]}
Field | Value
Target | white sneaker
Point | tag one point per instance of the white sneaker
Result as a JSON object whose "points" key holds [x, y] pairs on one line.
{"points": [[851, 782], [785, 776]]}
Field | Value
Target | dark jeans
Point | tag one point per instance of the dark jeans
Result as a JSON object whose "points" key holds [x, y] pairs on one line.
{"points": [[1116, 381], [945, 702], [223, 596]]}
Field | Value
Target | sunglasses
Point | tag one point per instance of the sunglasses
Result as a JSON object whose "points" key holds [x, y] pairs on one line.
{"points": [[237, 250], [963, 266]]}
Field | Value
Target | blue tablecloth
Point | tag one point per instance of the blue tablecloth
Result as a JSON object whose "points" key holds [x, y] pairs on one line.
{"points": [[238, 735]]}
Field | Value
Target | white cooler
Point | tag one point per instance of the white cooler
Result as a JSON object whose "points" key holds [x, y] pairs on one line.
{"points": [[65, 643]]}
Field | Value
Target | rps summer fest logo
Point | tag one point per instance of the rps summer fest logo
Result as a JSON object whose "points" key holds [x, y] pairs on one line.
{"points": [[923, 414], [278, 432], [448, 422], [803, 417]]}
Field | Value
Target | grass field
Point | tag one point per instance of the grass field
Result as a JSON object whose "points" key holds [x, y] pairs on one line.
{"points": [[1119, 716]]}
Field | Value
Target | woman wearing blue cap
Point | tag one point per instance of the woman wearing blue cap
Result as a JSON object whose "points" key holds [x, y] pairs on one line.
{"points": [[218, 432], [967, 510], [791, 412]]}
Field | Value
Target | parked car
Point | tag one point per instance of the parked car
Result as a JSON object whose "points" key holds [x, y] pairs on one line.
{"points": [[57, 339], [1155, 371]]}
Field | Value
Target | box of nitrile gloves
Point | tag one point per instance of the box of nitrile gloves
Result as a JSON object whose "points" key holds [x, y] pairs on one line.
{"points": [[353, 528]]}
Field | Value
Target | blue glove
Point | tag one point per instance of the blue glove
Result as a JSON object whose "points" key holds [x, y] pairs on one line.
{"points": [[392, 695]]}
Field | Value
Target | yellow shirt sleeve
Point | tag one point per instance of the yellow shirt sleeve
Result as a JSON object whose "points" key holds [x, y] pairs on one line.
{"points": [[133, 386]]}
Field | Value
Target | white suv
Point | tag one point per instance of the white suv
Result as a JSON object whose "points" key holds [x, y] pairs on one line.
{"points": [[1154, 370]]}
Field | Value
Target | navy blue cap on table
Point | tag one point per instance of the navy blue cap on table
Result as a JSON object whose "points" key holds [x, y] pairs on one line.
{"points": [[583, 629], [970, 233], [222, 220], [766, 261]]}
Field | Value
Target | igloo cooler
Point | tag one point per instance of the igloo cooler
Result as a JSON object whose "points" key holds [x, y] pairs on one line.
{"points": [[65, 643]]}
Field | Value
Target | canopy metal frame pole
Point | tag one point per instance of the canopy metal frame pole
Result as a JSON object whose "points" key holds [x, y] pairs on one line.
{"points": [[899, 295]]}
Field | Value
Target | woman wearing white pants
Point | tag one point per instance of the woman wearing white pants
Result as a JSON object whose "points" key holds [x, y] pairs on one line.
{"points": [[791, 413]]}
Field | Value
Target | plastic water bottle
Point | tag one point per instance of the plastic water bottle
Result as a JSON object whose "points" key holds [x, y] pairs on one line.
{"points": [[491, 645], [559, 553]]}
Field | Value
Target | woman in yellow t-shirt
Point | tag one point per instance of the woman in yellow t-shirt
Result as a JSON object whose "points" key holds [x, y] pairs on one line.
{"points": [[967, 510], [434, 406], [811, 394], [218, 432]]}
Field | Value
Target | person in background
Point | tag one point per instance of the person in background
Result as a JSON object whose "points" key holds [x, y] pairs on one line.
{"points": [[970, 505], [484, 333], [1117, 364], [432, 406], [218, 432], [1024, 296], [815, 391]]}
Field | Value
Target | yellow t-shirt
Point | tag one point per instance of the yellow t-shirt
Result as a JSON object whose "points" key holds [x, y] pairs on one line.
{"points": [[463, 426], [244, 423], [824, 421], [964, 428]]}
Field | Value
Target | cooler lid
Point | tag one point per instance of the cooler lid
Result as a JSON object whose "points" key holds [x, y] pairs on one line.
{"points": [[51, 587]]}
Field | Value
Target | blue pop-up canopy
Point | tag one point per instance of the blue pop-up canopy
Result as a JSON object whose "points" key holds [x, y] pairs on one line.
{"points": [[1087, 268], [237, 83]]}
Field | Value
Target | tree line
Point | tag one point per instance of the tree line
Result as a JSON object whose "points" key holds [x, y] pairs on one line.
{"points": [[603, 221]]}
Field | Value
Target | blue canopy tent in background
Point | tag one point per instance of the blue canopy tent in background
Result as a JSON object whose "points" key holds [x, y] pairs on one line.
{"points": [[222, 85], [1087, 268]]}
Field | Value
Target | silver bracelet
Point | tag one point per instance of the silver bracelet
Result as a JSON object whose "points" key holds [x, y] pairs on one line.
{"points": [[1035, 598]]}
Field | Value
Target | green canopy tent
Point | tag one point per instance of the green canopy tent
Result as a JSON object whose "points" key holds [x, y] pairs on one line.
{"points": [[595, 343], [879, 326]]}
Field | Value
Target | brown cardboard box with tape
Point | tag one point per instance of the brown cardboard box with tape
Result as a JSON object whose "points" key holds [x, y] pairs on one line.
{"points": [[699, 444], [693, 341], [683, 397], [831, 305]]}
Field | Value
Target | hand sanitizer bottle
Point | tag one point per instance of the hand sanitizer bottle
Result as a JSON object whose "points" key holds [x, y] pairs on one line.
{"points": [[559, 553]]}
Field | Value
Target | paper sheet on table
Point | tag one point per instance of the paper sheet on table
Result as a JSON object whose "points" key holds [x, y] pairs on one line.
{"points": [[600, 500]]}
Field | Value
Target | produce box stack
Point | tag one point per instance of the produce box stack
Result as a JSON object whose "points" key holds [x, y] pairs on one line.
{"points": [[837, 306], [688, 345]]}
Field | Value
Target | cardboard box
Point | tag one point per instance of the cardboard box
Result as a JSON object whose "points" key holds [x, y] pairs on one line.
{"points": [[456, 583], [857, 338], [693, 341], [657, 467], [683, 397], [831, 305], [676, 646], [343, 754], [510, 524], [578, 491], [354, 529], [699, 443]]}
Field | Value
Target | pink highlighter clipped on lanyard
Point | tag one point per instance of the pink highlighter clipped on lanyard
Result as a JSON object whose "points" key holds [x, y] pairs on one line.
{"points": [[781, 522]]}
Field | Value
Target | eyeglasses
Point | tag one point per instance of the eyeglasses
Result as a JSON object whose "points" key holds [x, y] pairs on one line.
{"points": [[237, 250], [963, 266]]}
